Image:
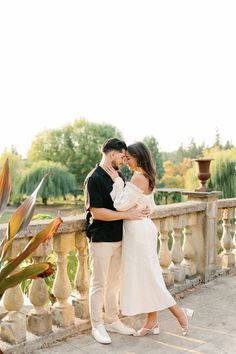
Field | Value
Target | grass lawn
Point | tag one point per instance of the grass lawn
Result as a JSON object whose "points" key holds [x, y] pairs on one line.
{"points": [[54, 209]]}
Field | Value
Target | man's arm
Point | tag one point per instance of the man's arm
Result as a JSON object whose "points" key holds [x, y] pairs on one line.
{"points": [[112, 215]]}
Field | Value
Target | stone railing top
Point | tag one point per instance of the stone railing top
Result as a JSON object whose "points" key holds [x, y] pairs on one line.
{"points": [[70, 224], [196, 194], [76, 223], [163, 211], [227, 203]]}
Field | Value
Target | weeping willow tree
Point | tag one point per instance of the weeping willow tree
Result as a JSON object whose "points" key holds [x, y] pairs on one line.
{"points": [[223, 177], [59, 183]]}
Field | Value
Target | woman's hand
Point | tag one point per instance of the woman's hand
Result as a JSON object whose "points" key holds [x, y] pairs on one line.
{"points": [[111, 172]]}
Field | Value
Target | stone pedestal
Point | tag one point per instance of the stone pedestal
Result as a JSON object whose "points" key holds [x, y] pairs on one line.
{"points": [[228, 260], [64, 316], [81, 308], [206, 232], [179, 273], [40, 324], [13, 328], [189, 267]]}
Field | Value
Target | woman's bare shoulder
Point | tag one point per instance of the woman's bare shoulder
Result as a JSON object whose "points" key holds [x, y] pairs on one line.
{"points": [[140, 181]]}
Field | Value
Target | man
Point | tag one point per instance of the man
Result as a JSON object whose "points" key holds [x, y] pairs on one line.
{"points": [[105, 234]]}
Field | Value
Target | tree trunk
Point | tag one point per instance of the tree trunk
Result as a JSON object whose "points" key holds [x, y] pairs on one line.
{"points": [[45, 200]]}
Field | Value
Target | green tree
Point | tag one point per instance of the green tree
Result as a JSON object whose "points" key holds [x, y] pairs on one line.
{"points": [[191, 151], [48, 146], [60, 183], [153, 145], [76, 146], [217, 142], [86, 139], [224, 177], [228, 145]]}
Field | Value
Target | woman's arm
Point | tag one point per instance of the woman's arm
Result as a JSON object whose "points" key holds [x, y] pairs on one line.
{"points": [[112, 215], [127, 196], [124, 196]]}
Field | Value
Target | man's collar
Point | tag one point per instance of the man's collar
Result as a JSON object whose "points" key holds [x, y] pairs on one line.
{"points": [[100, 170]]}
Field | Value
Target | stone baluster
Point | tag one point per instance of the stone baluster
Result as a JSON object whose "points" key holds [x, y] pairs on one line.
{"points": [[219, 233], [13, 326], [82, 277], [63, 311], [234, 240], [228, 258], [234, 237], [39, 320], [205, 234], [189, 252], [164, 252], [177, 253]]}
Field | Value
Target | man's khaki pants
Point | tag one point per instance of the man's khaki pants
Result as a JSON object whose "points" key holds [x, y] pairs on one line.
{"points": [[105, 262]]}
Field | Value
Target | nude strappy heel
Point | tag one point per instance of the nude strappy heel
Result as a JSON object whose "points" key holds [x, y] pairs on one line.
{"points": [[187, 313], [143, 331]]}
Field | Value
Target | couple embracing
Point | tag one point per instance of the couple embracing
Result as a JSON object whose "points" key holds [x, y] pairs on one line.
{"points": [[126, 274]]}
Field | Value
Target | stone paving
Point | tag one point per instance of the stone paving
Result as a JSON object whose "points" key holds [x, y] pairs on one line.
{"points": [[212, 329]]}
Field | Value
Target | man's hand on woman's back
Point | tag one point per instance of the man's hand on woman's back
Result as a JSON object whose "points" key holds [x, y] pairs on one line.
{"points": [[137, 214]]}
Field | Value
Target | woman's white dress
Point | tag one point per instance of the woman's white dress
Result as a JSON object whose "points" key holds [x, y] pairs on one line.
{"points": [[143, 288]]}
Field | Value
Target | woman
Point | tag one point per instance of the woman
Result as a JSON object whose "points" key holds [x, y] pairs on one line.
{"points": [[143, 289]]}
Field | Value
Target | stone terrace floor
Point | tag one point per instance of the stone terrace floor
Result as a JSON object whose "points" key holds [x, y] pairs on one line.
{"points": [[212, 329]]}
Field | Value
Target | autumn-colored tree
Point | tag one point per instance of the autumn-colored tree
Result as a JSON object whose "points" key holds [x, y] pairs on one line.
{"points": [[170, 173], [174, 176]]}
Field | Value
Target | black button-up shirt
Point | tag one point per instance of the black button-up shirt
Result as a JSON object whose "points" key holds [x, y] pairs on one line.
{"points": [[98, 186]]}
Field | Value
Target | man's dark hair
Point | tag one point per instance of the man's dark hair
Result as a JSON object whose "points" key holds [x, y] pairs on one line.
{"points": [[113, 144]]}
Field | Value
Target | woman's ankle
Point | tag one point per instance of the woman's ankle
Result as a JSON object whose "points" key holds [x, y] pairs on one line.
{"points": [[150, 324], [183, 320]]}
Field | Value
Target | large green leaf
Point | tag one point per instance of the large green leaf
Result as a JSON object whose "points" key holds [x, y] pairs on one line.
{"points": [[20, 219], [5, 187], [29, 272], [39, 238]]}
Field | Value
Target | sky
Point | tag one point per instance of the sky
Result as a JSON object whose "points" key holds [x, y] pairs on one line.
{"points": [[160, 68]]}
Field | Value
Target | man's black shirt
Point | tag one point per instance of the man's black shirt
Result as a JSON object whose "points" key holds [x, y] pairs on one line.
{"points": [[97, 189]]}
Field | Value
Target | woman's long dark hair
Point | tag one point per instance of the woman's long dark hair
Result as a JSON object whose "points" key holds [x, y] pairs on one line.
{"points": [[144, 159]]}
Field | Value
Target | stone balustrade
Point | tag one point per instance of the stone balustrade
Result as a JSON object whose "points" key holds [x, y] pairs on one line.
{"points": [[196, 242]]}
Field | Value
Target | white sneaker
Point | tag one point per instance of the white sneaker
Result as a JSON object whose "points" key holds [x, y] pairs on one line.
{"points": [[100, 334], [119, 327]]}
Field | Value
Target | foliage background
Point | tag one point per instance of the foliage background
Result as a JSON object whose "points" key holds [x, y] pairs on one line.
{"points": [[70, 152]]}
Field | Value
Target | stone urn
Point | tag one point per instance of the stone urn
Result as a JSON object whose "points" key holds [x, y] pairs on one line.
{"points": [[203, 173]]}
